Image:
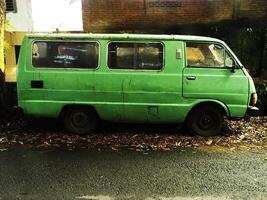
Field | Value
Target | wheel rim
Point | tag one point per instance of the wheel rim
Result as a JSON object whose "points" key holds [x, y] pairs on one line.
{"points": [[206, 122], [80, 119]]}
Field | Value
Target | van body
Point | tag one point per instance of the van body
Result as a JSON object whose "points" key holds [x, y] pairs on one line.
{"points": [[132, 78]]}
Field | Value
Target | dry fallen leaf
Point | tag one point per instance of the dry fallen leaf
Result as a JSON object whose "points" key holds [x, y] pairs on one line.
{"points": [[166, 148], [114, 149], [3, 150], [241, 137], [209, 142], [138, 150], [233, 148], [2, 139], [177, 144], [115, 136]]}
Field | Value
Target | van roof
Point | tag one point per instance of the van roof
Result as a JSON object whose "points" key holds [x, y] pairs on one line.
{"points": [[123, 36]]}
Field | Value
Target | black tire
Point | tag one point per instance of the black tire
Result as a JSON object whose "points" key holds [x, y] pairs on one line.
{"points": [[205, 121], [80, 120]]}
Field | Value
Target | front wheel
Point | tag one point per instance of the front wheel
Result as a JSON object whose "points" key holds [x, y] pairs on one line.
{"points": [[205, 121], [80, 120]]}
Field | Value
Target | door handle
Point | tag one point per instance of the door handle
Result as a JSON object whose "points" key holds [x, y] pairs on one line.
{"points": [[191, 78]]}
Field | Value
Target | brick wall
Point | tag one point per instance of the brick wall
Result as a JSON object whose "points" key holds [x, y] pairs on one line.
{"points": [[251, 8], [151, 15]]}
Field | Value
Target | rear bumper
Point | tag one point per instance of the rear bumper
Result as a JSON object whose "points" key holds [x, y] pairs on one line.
{"points": [[252, 111]]}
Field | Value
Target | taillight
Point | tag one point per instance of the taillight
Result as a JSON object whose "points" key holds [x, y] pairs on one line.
{"points": [[253, 99]]}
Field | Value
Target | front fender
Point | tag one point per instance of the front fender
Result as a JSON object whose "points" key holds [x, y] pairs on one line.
{"points": [[214, 102]]}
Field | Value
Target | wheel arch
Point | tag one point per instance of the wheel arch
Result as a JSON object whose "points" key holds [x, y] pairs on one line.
{"points": [[71, 106], [217, 104]]}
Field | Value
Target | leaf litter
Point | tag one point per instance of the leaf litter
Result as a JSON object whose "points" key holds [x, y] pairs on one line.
{"points": [[245, 134]]}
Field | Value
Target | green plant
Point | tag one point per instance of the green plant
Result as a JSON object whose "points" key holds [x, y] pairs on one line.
{"points": [[8, 27], [261, 87]]}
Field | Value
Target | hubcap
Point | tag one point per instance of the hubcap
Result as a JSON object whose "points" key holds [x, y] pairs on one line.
{"points": [[80, 119], [205, 122]]}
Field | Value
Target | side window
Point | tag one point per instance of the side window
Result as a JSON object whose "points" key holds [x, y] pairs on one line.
{"points": [[204, 55], [48, 54], [126, 55]]}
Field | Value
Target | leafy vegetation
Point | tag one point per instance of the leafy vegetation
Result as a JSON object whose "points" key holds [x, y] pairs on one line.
{"points": [[261, 87]]}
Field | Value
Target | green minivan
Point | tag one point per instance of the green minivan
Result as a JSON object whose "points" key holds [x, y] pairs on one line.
{"points": [[138, 78]]}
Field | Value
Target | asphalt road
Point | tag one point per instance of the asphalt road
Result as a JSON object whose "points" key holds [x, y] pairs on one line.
{"points": [[172, 175]]}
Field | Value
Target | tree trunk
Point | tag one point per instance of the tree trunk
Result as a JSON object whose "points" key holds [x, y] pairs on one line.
{"points": [[2, 63]]}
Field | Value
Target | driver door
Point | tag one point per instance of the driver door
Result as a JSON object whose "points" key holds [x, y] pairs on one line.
{"points": [[205, 75]]}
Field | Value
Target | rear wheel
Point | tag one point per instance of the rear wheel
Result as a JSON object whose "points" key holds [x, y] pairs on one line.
{"points": [[79, 120], [205, 121]]}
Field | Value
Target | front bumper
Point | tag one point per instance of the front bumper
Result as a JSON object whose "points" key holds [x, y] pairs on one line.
{"points": [[252, 111]]}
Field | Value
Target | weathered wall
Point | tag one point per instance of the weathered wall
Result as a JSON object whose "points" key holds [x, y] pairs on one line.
{"points": [[22, 19], [14, 39], [161, 15]]}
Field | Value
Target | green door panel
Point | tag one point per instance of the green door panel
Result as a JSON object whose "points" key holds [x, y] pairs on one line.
{"points": [[221, 84], [151, 95]]}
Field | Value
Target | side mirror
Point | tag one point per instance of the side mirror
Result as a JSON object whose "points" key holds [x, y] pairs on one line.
{"points": [[230, 63]]}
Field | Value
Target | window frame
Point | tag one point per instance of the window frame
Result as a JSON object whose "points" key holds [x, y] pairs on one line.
{"points": [[17, 49], [215, 43], [237, 66], [66, 68], [136, 70]]}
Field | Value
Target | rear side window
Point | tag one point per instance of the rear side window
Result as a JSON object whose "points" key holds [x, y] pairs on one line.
{"points": [[139, 56], [49, 54], [204, 55]]}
